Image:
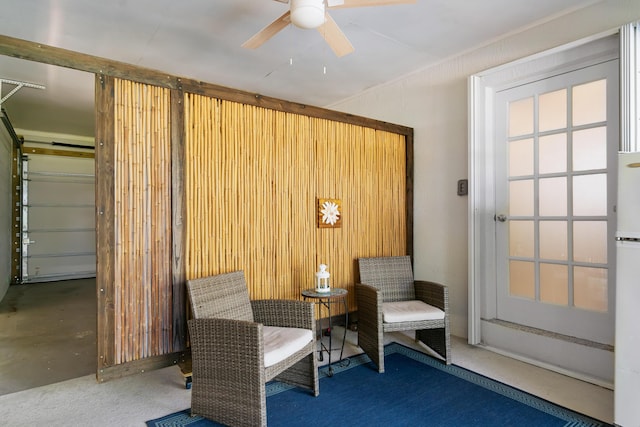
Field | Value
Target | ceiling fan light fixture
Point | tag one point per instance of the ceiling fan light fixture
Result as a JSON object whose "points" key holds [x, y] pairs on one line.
{"points": [[307, 14]]}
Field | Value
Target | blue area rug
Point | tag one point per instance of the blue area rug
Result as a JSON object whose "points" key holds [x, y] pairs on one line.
{"points": [[415, 390]]}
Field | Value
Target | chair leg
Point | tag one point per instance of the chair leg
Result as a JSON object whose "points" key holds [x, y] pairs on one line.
{"points": [[380, 362], [438, 340], [372, 343], [303, 374]]}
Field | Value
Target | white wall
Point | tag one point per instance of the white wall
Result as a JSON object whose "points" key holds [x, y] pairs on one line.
{"points": [[433, 101]]}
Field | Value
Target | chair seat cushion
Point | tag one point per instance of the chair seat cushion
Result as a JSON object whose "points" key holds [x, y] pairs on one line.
{"points": [[409, 311], [280, 343]]}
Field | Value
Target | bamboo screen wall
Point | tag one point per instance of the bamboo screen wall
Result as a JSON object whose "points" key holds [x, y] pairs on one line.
{"points": [[253, 176], [142, 213]]}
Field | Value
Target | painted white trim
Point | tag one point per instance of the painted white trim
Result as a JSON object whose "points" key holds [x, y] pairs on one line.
{"points": [[481, 206], [547, 53], [572, 374], [473, 334], [629, 69]]}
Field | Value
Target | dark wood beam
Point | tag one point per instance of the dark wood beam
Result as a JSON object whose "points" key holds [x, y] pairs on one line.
{"points": [[142, 365], [409, 191], [178, 223], [38, 52], [105, 211]]}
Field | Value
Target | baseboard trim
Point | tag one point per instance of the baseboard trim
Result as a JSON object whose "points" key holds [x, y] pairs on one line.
{"points": [[594, 365], [555, 335], [548, 366]]}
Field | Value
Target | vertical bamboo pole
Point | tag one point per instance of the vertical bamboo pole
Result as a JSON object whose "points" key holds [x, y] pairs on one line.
{"points": [[117, 223]]}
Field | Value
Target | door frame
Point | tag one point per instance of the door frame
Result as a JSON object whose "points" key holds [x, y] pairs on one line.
{"points": [[482, 88]]}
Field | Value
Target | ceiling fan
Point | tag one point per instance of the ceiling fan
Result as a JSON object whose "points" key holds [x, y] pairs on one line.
{"points": [[313, 14]]}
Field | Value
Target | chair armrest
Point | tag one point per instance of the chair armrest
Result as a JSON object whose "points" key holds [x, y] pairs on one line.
{"points": [[219, 340], [433, 294], [369, 300], [285, 313]]}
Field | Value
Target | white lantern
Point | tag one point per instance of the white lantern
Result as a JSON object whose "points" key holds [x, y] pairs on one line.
{"points": [[322, 279]]}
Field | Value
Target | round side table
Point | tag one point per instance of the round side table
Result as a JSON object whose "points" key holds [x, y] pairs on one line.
{"points": [[327, 299]]}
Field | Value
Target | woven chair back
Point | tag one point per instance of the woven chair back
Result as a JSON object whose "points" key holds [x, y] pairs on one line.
{"points": [[392, 275], [224, 296]]}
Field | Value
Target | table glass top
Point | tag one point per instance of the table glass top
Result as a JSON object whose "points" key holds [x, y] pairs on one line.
{"points": [[334, 292]]}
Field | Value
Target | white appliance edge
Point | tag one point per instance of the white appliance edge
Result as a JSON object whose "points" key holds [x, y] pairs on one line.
{"points": [[627, 347]]}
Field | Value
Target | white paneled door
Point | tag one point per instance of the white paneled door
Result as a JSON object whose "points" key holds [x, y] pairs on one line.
{"points": [[555, 148]]}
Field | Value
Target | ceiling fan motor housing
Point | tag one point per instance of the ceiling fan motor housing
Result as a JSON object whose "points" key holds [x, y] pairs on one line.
{"points": [[307, 14]]}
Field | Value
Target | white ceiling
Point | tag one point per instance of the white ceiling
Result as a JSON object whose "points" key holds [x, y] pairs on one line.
{"points": [[201, 39]]}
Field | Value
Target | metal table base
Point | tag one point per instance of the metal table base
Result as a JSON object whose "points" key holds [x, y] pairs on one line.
{"points": [[327, 299]]}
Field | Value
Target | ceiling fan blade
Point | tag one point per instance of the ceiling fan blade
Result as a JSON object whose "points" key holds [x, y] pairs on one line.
{"points": [[267, 32], [334, 37], [340, 4]]}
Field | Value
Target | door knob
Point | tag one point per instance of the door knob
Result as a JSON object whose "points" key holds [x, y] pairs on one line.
{"points": [[500, 217]]}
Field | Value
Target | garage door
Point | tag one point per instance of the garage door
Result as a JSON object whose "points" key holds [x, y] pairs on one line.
{"points": [[58, 224]]}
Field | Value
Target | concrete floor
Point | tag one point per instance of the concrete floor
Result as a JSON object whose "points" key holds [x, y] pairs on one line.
{"points": [[47, 334]]}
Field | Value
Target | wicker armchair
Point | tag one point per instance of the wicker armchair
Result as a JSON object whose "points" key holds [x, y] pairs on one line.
{"points": [[234, 352], [390, 300]]}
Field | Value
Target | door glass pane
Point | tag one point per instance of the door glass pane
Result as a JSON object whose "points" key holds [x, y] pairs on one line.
{"points": [[553, 240], [521, 198], [590, 149], [552, 110], [521, 117], [521, 238], [554, 287], [553, 196], [590, 195], [521, 157], [590, 288], [522, 279], [590, 241], [552, 153], [590, 103]]}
